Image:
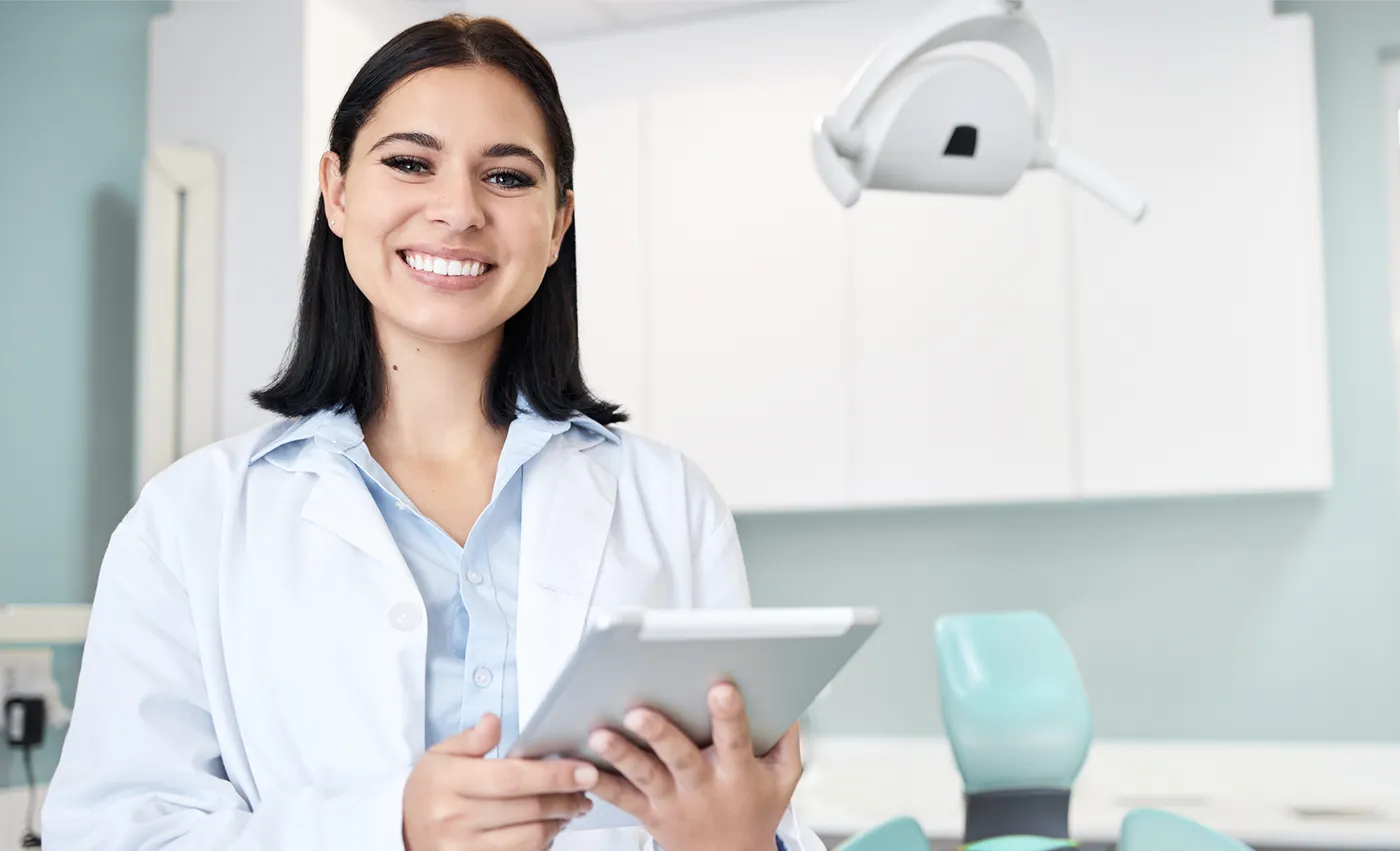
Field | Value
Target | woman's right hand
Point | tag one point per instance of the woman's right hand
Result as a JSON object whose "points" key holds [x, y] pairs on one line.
{"points": [[457, 800]]}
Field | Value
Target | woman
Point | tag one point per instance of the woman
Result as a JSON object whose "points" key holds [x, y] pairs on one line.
{"points": [[324, 634]]}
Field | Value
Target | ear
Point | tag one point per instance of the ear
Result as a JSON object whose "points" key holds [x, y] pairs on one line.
{"points": [[333, 191], [562, 221]]}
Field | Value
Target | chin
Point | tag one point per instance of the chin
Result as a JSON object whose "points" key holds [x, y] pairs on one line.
{"points": [[439, 326]]}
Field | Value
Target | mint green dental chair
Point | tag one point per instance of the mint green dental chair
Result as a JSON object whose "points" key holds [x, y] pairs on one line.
{"points": [[1157, 830], [1017, 718], [900, 834], [1142, 830]]}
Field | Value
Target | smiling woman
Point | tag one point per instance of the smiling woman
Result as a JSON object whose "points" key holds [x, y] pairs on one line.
{"points": [[324, 633], [446, 128]]}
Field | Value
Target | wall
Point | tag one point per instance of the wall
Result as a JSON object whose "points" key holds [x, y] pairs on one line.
{"points": [[73, 101], [229, 76], [1258, 618]]}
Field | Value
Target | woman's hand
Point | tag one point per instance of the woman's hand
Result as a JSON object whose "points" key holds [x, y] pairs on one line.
{"points": [[456, 800], [721, 799]]}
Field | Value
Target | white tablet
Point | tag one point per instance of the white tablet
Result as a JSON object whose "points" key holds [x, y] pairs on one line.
{"points": [[667, 659]]}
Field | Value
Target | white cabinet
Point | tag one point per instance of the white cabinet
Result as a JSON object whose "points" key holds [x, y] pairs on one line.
{"points": [[960, 361], [748, 291], [1201, 354], [608, 220], [935, 350]]}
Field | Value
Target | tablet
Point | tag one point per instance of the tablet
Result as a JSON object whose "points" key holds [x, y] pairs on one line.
{"points": [[667, 659]]}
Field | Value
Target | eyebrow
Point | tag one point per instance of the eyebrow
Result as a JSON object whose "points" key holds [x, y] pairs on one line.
{"points": [[500, 150]]}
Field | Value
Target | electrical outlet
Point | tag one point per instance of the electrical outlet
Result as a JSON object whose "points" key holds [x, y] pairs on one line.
{"points": [[28, 671]]}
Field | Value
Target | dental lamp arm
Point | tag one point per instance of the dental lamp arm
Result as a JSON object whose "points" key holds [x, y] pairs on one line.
{"points": [[1088, 176], [835, 172]]}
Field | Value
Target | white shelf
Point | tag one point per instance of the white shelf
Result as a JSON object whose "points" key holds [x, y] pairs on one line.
{"points": [[1266, 794], [44, 624]]}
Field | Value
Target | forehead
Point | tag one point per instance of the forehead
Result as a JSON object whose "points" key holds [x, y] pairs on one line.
{"points": [[471, 107]]}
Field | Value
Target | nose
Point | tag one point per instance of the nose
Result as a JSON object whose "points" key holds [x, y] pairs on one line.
{"points": [[457, 203]]}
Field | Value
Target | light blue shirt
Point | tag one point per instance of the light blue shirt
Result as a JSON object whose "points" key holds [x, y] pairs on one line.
{"points": [[469, 592]]}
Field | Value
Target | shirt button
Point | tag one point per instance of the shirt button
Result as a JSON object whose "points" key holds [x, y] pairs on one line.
{"points": [[402, 506], [482, 677], [405, 616], [474, 578]]}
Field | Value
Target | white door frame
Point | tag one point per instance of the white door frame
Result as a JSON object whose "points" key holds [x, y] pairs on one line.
{"points": [[1390, 111], [177, 375]]}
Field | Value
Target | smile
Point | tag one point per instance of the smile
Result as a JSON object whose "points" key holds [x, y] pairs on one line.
{"points": [[445, 275], [443, 267]]}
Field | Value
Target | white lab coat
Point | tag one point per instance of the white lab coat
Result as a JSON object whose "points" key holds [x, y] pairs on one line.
{"points": [[254, 671]]}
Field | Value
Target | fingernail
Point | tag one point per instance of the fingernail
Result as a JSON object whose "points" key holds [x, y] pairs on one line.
{"points": [[599, 741], [586, 775], [635, 720], [726, 695]]}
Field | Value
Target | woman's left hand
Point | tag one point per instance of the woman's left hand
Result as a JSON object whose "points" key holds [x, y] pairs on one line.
{"points": [[723, 798]]}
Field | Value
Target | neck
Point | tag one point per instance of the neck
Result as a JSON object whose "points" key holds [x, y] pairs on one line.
{"points": [[434, 407]]}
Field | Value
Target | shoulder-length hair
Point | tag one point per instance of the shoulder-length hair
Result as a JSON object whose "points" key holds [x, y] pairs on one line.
{"points": [[334, 361]]}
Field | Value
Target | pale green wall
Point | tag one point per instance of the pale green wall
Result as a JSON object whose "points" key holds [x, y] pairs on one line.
{"points": [[72, 137], [1269, 617]]}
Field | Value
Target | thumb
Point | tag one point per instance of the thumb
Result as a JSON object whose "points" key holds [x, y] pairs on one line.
{"points": [[474, 742]]}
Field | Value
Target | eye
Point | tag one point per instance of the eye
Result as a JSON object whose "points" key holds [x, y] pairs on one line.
{"points": [[512, 179], [407, 165]]}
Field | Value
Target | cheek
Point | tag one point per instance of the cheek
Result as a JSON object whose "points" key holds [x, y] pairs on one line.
{"points": [[532, 232], [365, 260], [368, 226]]}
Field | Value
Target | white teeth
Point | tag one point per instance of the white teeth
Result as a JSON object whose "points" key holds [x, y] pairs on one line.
{"points": [[443, 266]]}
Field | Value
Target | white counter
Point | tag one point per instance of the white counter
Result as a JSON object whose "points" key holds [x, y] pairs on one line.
{"points": [[1277, 795], [1269, 795]]}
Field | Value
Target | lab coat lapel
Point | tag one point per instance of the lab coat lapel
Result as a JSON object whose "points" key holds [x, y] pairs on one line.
{"points": [[340, 503], [566, 514]]}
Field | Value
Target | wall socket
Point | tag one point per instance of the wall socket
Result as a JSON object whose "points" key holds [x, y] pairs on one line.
{"points": [[30, 672]]}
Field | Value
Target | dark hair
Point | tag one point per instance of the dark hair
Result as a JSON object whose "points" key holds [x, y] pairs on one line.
{"points": [[334, 361]]}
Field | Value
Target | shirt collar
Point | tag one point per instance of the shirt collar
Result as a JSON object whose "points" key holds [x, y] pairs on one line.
{"points": [[589, 425], [339, 431]]}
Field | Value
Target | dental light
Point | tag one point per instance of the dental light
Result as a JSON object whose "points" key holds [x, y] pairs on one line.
{"points": [[913, 120]]}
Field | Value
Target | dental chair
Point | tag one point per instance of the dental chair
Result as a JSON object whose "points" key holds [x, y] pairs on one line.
{"points": [[1017, 718], [1157, 830], [1142, 830]]}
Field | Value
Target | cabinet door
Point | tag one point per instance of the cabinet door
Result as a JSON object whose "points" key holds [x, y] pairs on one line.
{"points": [[1201, 351], [960, 388], [611, 300], [748, 271]]}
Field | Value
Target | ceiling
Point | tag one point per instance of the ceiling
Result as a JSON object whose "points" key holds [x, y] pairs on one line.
{"points": [[543, 19]]}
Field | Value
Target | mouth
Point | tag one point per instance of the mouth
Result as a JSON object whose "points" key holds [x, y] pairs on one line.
{"points": [[444, 274]]}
